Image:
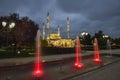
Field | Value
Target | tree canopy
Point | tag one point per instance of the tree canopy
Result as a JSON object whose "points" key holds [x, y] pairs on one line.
{"points": [[23, 32]]}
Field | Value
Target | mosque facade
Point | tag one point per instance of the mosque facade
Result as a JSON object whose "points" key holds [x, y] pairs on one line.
{"points": [[55, 39]]}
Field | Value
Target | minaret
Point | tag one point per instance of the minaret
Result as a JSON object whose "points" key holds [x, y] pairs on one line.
{"points": [[68, 27], [58, 30], [43, 31], [48, 24]]}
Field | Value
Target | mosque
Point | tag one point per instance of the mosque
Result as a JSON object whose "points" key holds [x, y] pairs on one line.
{"points": [[55, 39]]}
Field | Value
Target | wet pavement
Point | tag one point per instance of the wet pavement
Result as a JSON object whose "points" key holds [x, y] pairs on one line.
{"points": [[110, 72], [56, 67], [57, 70]]}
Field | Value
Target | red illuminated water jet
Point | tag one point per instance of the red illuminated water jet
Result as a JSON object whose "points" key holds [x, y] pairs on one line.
{"points": [[96, 52], [38, 70], [78, 62]]}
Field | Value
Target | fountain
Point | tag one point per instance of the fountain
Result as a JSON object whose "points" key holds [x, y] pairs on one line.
{"points": [[96, 51], [108, 45], [38, 70], [78, 63]]}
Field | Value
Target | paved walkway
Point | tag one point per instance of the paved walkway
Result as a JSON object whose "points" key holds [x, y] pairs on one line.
{"points": [[18, 61], [110, 72], [22, 74]]}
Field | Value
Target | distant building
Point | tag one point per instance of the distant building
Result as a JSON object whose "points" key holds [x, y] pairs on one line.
{"points": [[55, 39]]}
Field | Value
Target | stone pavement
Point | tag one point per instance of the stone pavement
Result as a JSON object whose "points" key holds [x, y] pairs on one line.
{"points": [[19, 61], [24, 60], [63, 73], [110, 72]]}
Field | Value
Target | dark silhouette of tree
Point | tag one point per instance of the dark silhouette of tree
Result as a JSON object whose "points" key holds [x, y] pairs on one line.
{"points": [[116, 41], [101, 40], [87, 40], [23, 34], [99, 34], [14, 16]]}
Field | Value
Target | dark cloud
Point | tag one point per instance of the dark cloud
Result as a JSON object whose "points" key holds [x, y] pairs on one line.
{"points": [[85, 15], [99, 14], [95, 9]]}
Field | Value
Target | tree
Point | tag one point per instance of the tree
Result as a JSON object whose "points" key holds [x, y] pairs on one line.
{"points": [[101, 40], [116, 41], [86, 40], [22, 34]]}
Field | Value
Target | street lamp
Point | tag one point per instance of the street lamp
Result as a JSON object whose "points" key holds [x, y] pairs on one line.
{"points": [[105, 36], [10, 26], [84, 34], [4, 23]]}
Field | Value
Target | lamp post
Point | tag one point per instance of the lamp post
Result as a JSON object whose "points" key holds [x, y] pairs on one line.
{"points": [[4, 23], [84, 34], [10, 26], [105, 36], [108, 44]]}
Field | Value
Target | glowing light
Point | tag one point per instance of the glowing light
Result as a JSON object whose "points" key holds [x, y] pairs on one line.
{"points": [[37, 73], [78, 63], [96, 52], [97, 60], [12, 25], [4, 23], [38, 70]]}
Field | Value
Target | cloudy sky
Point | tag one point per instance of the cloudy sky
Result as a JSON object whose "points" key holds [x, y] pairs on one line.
{"points": [[85, 15]]}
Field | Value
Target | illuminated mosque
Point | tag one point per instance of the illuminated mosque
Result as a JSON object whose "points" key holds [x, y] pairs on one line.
{"points": [[55, 39]]}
